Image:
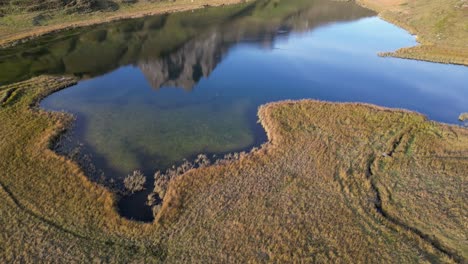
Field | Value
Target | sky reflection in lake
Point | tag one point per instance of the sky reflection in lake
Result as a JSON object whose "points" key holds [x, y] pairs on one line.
{"points": [[161, 101]]}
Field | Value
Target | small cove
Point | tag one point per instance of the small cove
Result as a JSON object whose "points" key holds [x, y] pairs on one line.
{"points": [[162, 89]]}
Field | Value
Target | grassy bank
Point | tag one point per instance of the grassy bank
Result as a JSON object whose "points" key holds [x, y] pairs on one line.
{"points": [[21, 24], [50, 210], [441, 27], [336, 183]]}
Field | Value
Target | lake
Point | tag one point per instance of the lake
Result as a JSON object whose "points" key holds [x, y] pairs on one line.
{"points": [[158, 90]]}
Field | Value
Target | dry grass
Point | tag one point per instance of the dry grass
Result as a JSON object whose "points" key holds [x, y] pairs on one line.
{"points": [[319, 192], [463, 117], [135, 182], [432, 53], [49, 209], [336, 183], [441, 27]]}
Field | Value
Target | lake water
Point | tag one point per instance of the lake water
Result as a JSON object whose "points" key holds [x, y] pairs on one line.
{"points": [[158, 90]]}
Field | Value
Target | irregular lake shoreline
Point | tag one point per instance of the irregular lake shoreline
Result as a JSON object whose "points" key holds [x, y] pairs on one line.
{"points": [[335, 182], [434, 44], [209, 52], [177, 195]]}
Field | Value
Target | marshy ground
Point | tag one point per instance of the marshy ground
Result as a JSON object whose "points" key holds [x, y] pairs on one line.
{"points": [[336, 182]]}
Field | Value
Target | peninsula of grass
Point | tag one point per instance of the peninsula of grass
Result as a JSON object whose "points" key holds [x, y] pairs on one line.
{"points": [[335, 183], [441, 27]]}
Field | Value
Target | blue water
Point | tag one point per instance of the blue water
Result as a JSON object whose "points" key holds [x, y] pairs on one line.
{"points": [[202, 96]]}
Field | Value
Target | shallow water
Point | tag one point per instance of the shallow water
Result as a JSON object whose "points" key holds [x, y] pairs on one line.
{"points": [[161, 89]]}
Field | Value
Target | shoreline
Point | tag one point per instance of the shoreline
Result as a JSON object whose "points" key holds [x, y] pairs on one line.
{"points": [[370, 170], [425, 50], [90, 208]]}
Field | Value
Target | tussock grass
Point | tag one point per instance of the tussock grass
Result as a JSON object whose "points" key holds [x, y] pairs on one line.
{"points": [[440, 25], [336, 183], [432, 53], [328, 187], [49, 209], [135, 182]]}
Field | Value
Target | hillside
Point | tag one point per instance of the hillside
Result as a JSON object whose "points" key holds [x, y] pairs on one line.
{"points": [[71, 6], [21, 20]]}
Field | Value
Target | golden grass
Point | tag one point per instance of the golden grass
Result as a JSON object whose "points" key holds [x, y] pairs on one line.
{"points": [[441, 27], [336, 183], [315, 192], [49, 208], [432, 53]]}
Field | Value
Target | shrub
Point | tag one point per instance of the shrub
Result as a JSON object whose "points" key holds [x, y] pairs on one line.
{"points": [[135, 182], [202, 161], [463, 117]]}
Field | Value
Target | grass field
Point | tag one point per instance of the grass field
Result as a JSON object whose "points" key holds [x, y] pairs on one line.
{"points": [[441, 27], [336, 183]]}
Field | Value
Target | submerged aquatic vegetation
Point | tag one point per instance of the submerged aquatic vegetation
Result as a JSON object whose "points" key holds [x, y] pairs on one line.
{"points": [[320, 190]]}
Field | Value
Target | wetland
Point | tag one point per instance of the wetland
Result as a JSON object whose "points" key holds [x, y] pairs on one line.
{"points": [[158, 90], [315, 150]]}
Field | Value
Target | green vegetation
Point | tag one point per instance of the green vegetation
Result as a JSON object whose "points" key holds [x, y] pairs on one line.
{"points": [[70, 6], [25, 19], [117, 131], [142, 41], [116, 44], [441, 27], [335, 183]]}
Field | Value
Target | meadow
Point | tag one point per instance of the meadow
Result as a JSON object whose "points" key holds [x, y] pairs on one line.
{"points": [[441, 28], [335, 182], [22, 22]]}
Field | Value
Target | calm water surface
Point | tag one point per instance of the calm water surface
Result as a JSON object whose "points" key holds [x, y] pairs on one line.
{"points": [[161, 89]]}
